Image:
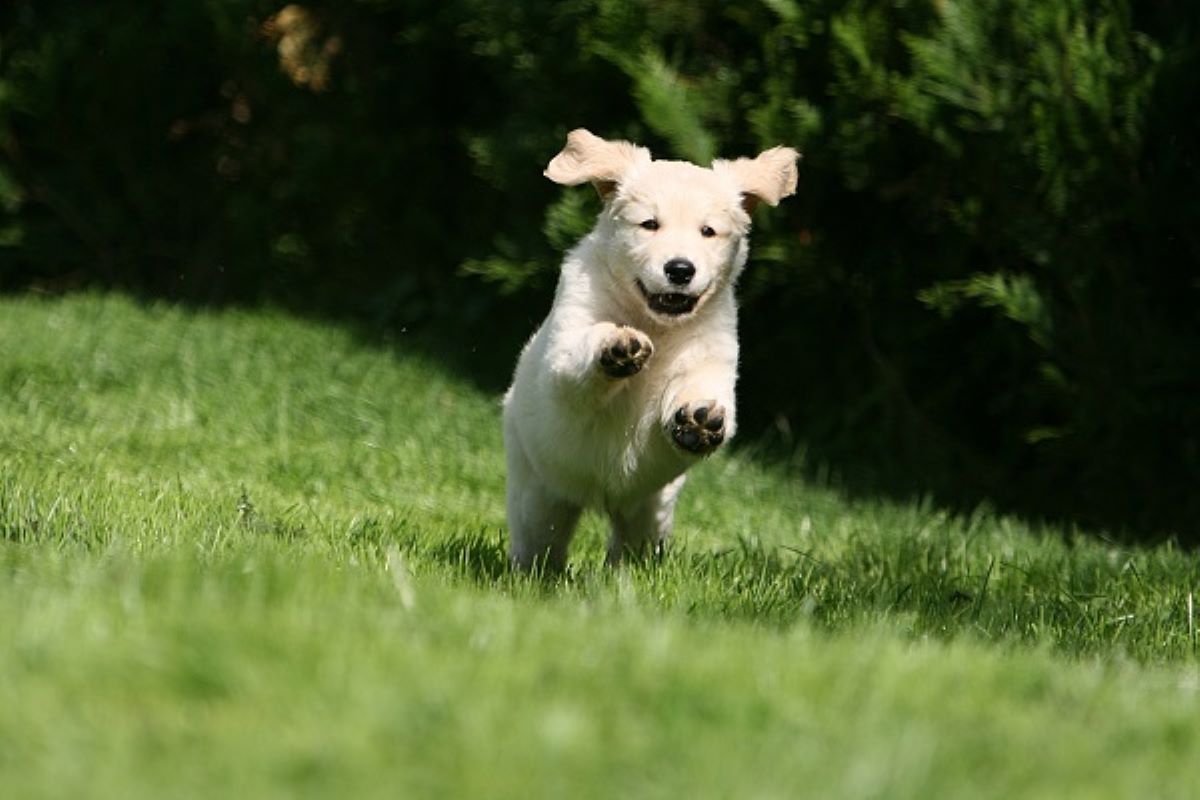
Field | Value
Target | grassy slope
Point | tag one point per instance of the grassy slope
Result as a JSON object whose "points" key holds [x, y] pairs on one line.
{"points": [[243, 553]]}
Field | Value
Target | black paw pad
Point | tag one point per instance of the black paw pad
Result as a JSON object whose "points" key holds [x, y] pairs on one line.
{"points": [[625, 353], [699, 427]]}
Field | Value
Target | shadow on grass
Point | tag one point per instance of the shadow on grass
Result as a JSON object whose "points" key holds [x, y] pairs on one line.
{"points": [[482, 349], [1000, 600], [476, 556], [478, 343]]}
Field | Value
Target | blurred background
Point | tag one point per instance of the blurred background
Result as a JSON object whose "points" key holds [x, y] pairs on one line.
{"points": [[986, 290]]}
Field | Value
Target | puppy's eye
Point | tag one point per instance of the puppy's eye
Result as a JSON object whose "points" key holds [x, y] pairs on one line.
{"points": [[650, 225], [707, 232]]}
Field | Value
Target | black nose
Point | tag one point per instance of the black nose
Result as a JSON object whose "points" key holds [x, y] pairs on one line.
{"points": [[679, 271]]}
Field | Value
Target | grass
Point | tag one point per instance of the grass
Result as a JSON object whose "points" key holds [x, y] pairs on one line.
{"points": [[243, 555]]}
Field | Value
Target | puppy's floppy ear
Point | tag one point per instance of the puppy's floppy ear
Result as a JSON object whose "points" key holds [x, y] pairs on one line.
{"points": [[587, 157], [768, 178]]}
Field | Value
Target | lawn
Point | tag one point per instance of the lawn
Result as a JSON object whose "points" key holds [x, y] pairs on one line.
{"points": [[248, 555]]}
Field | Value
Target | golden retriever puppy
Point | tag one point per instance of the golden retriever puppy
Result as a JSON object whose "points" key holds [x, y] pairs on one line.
{"points": [[630, 379]]}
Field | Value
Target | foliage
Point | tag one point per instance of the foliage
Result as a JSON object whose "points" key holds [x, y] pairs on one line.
{"points": [[989, 273]]}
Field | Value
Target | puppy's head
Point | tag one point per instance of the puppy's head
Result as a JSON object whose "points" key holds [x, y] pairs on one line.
{"points": [[676, 233]]}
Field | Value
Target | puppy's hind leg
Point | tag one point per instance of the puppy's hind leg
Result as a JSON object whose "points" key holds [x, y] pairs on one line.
{"points": [[540, 525], [643, 529]]}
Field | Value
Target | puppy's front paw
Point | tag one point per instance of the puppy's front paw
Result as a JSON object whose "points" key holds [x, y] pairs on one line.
{"points": [[625, 352], [698, 427]]}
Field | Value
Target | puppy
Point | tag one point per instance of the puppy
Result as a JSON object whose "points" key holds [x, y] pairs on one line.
{"points": [[630, 379]]}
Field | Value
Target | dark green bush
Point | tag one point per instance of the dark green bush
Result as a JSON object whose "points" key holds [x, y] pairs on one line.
{"points": [[988, 280]]}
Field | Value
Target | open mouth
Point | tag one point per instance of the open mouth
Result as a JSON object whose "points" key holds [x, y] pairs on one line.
{"points": [[670, 303]]}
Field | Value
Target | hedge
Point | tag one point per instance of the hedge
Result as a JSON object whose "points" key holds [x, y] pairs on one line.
{"points": [[987, 283]]}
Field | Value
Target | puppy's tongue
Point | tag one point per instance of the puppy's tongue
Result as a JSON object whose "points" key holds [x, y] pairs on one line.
{"points": [[669, 302], [673, 299], [672, 302]]}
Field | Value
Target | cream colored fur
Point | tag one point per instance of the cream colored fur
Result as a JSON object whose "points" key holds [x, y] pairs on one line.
{"points": [[621, 388]]}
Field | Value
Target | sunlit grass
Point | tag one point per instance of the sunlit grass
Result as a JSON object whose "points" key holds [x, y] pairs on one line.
{"points": [[242, 554]]}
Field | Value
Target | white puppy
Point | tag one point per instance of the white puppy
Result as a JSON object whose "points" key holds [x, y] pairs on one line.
{"points": [[630, 379]]}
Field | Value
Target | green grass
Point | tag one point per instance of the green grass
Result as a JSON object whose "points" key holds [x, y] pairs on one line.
{"points": [[244, 555]]}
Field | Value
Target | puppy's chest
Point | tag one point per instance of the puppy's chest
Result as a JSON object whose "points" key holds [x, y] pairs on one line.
{"points": [[617, 445], [622, 416], [623, 413]]}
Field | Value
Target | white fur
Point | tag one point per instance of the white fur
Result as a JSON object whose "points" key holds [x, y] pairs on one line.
{"points": [[577, 437]]}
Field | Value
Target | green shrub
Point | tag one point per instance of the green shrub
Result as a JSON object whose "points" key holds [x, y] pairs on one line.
{"points": [[989, 274]]}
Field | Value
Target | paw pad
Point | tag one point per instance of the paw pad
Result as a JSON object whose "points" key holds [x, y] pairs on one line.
{"points": [[699, 427], [625, 353]]}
